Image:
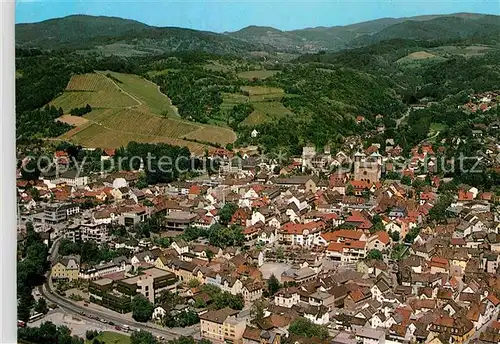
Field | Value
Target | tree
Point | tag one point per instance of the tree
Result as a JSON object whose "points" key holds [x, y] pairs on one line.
{"points": [[91, 334], [193, 283], [349, 190], [227, 212], [30, 171], [378, 225], [438, 212], [225, 299], [374, 254], [406, 180], [41, 306], [411, 235], [142, 337], [24, 305], [210, 255], [273, 285], [395, 236], [142, 309], [304, 327]]}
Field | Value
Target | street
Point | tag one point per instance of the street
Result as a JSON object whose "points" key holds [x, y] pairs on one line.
{"points": [[77, 324], [72, 309]]}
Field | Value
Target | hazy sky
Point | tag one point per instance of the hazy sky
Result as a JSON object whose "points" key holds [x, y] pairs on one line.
{"points": [[230, 15]]}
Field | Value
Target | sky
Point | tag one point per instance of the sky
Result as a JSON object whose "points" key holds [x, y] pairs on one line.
{"points": [[231, 15]]}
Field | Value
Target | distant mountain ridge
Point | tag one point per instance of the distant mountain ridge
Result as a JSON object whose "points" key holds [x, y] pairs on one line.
{"points": [[429, 27], [87, 32]]}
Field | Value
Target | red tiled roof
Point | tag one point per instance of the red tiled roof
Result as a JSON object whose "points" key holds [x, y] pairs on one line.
{"points": [[383, 237], [465, 196], [493, 299], [439, 262]]}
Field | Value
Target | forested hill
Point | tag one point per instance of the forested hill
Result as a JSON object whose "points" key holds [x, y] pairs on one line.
{"points": [[442, 28], [116, 36], [431, 27]]}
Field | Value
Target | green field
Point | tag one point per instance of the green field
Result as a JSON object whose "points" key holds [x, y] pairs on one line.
{"points": [[146, 92], [417, 56], [108, 337], [466, 51], [129, 108], [154, 73], [257, 74], [265, 100], [435, 128]]}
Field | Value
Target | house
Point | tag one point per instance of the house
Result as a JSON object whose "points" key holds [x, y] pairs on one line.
{"points": [[317, 314], [366, 335], [308, 183], [66, 268], [253, 335], [460, 329], [179, 220], [287, 297], [119, 264], [378, 241], [251, 291], [150, 283], [380, 288], [299, 276], [300, 234], [347, 251], [180, 246]]}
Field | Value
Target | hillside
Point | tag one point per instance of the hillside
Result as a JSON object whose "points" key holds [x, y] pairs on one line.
{"points": [[116, 36], [106, 34], [430, 27], [119, 102], [441, 28]]}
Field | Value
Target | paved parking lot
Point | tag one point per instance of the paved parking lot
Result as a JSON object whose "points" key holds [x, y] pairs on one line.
{"points": [[277, 269], [78, 325]]}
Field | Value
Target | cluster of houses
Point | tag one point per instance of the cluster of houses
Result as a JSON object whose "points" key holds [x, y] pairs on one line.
{"points": [[483, 101], [336, 242]]}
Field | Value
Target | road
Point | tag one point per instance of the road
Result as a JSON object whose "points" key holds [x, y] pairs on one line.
{"points": [[76, 310], [402, 118]]}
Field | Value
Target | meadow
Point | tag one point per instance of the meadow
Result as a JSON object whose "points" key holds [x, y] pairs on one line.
{"points": [[257, 74], [108, 337]]}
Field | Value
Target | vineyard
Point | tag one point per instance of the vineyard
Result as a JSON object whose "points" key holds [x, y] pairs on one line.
{"points": [[215, 134], [91, 82], [129, 108], [146, 92], [71, 100], [96, 135]]}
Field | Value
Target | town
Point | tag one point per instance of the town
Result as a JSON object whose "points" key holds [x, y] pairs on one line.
{"points": [[327, 247]]}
